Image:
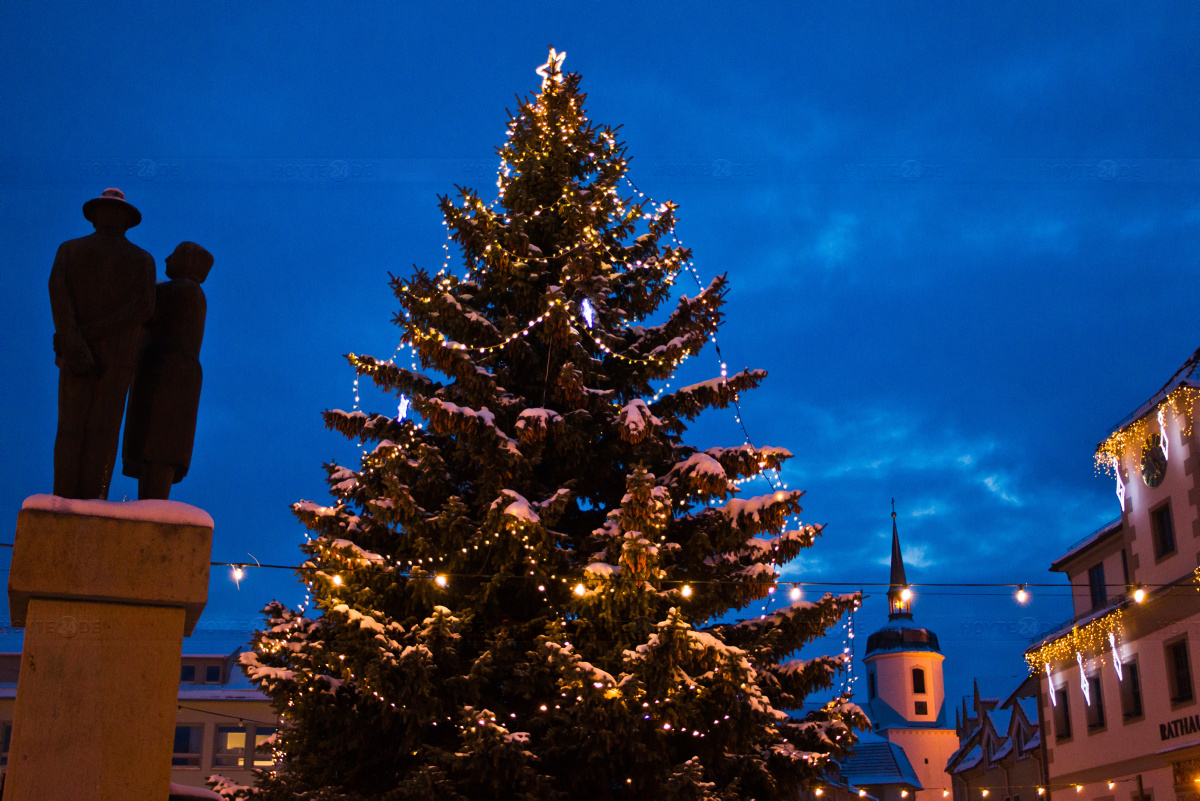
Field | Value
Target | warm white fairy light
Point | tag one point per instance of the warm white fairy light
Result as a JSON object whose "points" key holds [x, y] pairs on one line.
{"points": [[1022, 594], [440, 580]]}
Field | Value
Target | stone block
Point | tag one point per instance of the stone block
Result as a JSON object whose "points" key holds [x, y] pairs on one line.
{"points": [[96, 702], [105, 600], [92, 558]]}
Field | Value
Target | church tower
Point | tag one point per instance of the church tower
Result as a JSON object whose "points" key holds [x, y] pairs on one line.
{"points": [[906, 699]]}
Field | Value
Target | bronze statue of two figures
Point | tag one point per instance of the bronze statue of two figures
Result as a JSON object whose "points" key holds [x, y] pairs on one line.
{"points": [[118, 334]]}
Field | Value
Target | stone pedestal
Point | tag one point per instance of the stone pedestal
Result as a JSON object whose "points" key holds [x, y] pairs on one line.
{"points": [[105, 603]]}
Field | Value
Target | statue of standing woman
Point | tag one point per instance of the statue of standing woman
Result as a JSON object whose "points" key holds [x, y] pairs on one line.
{"points": [[160, 426], [101, 294]]}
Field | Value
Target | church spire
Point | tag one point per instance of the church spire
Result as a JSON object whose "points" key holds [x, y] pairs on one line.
{"points": [[899, 595]]}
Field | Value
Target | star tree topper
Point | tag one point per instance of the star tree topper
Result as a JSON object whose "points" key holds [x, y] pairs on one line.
{"points": [[552, 69]]}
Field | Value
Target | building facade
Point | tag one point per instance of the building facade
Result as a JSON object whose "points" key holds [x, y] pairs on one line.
{"points": [[999, 747], [224, 726], [1116, 684]]}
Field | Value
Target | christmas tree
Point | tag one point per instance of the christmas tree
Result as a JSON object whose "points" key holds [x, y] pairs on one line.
{"points": [[525, 589]]}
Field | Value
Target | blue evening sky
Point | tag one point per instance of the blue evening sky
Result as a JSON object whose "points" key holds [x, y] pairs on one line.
{"points": [[961, 237]]}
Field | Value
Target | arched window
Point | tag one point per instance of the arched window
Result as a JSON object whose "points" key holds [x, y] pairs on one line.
{"points": [[918, 681]]}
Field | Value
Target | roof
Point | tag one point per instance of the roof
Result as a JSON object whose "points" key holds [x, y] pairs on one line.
{"points": [[1079, 620], [1188, 374], [1034, 742], [973, 758], [1029, 706], [884, 716], [1003, 750], [1102, 534], [894, 637], [1000, 719], [876, 761]]}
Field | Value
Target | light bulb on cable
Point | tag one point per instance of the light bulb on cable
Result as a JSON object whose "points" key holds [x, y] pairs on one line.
{"points": [[1022, 594]]}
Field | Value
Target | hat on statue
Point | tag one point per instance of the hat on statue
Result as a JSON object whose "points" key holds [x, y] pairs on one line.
{"points": [[112, 197]]}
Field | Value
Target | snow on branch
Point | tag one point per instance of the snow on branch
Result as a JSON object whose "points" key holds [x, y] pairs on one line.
{"points": [[445, 417], [718, 393], [533, 424], [391, 378], [747, 460], [637, 422]]}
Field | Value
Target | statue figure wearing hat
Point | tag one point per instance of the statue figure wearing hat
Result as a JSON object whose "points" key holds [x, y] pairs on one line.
{"points": [[101, 295], [160, 425]]}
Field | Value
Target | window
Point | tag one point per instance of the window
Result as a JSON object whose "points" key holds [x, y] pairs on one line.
{"points": [[1163, 530], [1179, 671], [230, 751], [212, 674], [1097, 586], [187, 674], [263, 750], [922, 707], [870, 686], [918, 681], [187, 747], [1062, 715], [1095, 710], [7, 742], [1131, 692], [1125, 565]]}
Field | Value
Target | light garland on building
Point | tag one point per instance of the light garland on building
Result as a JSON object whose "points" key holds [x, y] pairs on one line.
{"points": [[1090, 639], [1135, 437]]}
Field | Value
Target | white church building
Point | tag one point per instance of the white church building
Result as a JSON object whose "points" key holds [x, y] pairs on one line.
{"points": [[906, 702]]}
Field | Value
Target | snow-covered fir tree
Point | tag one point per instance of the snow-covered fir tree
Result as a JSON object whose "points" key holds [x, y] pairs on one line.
{"points": [[525, 590]]}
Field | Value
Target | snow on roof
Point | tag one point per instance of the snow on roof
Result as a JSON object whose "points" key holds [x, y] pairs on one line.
{"points": [[882, 762], [1079, 620], [993, 688], [972, 759], [1003, 750], [1029, 706], [1034, 742], [1102, 533], [1000, 719], [1186, 375], [153, 511]]}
